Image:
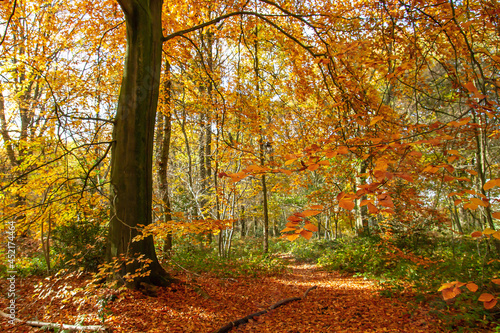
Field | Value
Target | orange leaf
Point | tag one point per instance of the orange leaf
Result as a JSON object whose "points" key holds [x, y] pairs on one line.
{"points": [[457, 202], [311, 227], [488, 231], [496, 215], [447, 285], [470, 87], [470, 206], [491, 183], [306, 234], [288, 229], [292, 237], [372, 209], [448, 294], [476, 234], [486, 298], [317, 207], [406, 177], [342, 150], [472, 286], [285, 171], [376, 120], [294, 218], [496, 281], [386, 201], [497, 234], [310, 212], [479, 202], [490, 304], [290, 161], [346, 204], [313, 167]]}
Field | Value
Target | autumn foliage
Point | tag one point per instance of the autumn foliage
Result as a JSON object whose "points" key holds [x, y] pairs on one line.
{"points": [[298, 121]]}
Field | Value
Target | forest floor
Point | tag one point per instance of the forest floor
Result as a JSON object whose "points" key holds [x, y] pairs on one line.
{"points": [[203, 303]]}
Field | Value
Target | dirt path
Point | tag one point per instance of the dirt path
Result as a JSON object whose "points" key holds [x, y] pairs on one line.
{"points": [[204, 304], [339, 304]]}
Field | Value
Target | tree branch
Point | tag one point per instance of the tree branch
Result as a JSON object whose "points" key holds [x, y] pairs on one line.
{"points": [[226, 328]]}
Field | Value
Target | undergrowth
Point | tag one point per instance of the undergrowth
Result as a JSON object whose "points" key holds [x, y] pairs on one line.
{"points": [[245, 259]]}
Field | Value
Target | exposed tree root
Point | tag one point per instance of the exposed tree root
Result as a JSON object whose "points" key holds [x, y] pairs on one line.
{"points": [[244, 320], [92, 328]]}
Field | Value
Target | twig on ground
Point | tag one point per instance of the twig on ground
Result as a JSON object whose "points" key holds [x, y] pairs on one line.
{"points": [[244, 320], [93, 328]]}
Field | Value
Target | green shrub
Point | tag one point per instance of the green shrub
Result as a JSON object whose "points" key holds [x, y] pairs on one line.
{"points": [[80, 244]]}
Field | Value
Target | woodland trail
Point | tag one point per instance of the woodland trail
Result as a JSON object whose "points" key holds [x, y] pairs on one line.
{"points": [[339, 304], [203, 304]]}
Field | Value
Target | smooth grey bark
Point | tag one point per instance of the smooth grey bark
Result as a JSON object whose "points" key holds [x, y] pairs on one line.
{"points": [[132, 149], [362, 227], [165, 128]]}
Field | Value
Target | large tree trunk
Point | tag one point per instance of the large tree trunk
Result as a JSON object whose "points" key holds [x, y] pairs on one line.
{"points": [[132, 150]]}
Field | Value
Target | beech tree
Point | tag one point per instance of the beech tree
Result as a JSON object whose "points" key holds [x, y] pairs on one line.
{"points": [[132, 150]]}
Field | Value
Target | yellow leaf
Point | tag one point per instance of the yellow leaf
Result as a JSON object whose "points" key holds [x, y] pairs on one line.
{"points": [[292, 237], [486, 297], [290, 161], [447, 285], [497, 234], [488, 231], [472, 286]]}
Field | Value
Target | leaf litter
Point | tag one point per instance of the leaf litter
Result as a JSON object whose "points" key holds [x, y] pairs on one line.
{"points": [[204, 303]]}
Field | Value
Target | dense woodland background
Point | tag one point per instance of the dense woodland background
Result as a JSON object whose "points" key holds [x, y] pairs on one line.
{"points": [[360, 136]]}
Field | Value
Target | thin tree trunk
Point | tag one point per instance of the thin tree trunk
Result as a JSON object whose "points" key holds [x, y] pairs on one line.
{"points": [[166, 133]]}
